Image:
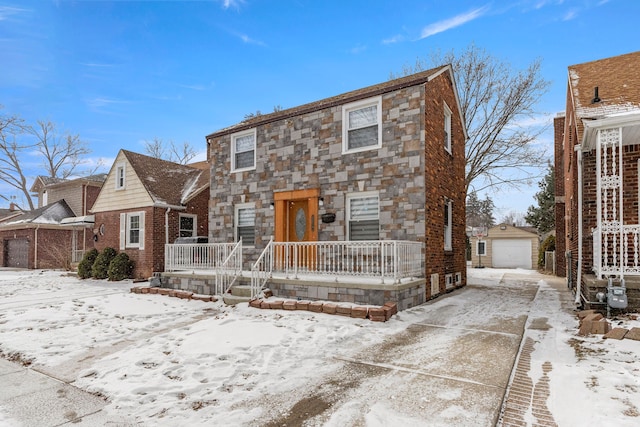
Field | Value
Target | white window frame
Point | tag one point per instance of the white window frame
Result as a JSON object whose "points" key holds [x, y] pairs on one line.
{"points": [[448, 225], [484, 246], [236, 216], [194, 231], [346, 109], [361, 195], [458, 278], [121, 181], [125, 230], [233, 149], [447, 128]]}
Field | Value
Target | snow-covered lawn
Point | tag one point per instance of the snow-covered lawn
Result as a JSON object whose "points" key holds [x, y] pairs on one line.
{"points": [[169, 361]]}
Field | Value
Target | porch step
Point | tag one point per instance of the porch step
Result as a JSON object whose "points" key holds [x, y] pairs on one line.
{"points": [[239, 293]]}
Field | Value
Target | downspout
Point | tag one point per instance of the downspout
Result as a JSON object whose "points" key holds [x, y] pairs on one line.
{"points": [[35, 255], [166, 225], [578, 149]]}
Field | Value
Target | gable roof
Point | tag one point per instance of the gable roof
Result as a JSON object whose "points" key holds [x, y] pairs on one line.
{"points": [[618, 83], [50, 214], [348, 97], [46, 181], [166, 182]]}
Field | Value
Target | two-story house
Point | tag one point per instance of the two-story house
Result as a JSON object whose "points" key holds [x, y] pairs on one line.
{"points": [[364, 187]]}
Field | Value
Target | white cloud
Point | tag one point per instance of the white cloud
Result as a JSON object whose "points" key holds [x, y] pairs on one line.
{"points": [[570, 15], [456, 21], [358, 49], [395, 39], [235, 4], [8, 11]]}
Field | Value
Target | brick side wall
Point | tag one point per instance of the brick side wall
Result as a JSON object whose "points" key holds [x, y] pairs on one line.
{"points": [[444, 179], [558, 131], [53, 246]]}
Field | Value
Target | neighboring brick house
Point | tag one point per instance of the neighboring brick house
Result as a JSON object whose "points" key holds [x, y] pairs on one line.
{"points": [[386, 162], [597, 148], [56, 234], [147, 203]]}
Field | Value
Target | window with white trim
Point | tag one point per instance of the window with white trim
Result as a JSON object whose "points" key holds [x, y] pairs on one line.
{"points": [[362, 125], [243, 151], [481, 248], [363, 216], [120, 176], [132, 230], [448, 213], [447, 128], [188, 225], [246, 224]]}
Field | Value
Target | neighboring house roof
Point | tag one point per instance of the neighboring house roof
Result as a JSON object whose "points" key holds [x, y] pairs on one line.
{"points": [[166, 182], [618, 83], [504, 226], [50, 214], [348, 97], [42, 182]]}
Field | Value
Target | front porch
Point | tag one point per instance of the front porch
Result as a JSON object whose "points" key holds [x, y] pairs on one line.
{"points": [[359, 272]]}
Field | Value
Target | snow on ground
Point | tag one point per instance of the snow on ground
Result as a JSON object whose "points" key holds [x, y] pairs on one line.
{"points": [[176, 362]]}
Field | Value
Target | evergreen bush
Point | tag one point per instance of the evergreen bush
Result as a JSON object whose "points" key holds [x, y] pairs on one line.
{"points": [[84, 268], [120, 268], [548, 245], [101, 265]]}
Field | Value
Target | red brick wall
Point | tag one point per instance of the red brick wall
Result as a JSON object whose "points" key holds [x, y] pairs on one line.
{"points": [[558, 130], [444, 179], [53, 246]]}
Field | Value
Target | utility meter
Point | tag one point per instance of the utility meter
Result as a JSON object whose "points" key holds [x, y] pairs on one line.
{"points": [[617, 297]]}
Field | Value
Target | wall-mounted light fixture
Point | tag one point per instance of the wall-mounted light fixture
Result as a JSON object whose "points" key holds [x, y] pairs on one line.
{"points": [[271, 206], [321, 201]]}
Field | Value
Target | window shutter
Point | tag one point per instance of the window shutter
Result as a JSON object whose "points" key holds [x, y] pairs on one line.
{"points": [[123, 230], [141, 231]]}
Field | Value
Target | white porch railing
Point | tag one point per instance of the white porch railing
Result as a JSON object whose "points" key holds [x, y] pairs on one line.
{"points": [[196, 256], [381, 260], [617, 252], [228, 272]]}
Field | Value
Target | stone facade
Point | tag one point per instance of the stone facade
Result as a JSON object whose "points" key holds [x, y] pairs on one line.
{"points": [[412, 173]]}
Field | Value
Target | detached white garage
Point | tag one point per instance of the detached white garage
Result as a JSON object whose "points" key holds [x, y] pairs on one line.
{"points": [[506, 246]]}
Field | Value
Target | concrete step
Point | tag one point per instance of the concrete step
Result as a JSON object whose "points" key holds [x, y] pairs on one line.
{"points": [[233, 300], [241, 291]]}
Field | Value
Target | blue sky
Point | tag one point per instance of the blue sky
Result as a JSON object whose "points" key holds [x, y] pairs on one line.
{"points": [[122, 72]]}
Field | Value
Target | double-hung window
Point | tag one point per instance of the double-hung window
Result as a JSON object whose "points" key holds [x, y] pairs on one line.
{"points": [[188, 225], [362, 125], [363, 216], [132, 230], [246, 224], [243, 151], [447, 128], [448, 213], [120, 177]]}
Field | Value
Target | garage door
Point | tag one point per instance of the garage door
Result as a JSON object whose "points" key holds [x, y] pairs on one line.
{"points": [[16, 253], [511, 253]]}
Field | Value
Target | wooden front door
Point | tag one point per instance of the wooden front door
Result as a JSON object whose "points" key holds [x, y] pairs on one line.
{"points": [[299, 221], [296, 220]]}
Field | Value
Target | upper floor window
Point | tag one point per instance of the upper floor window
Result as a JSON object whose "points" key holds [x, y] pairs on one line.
{"points": [[363, 216], [188, 225], [447, 128], [243, 151], [362, 125], [120, 177], [246, 224], [448, 234]]}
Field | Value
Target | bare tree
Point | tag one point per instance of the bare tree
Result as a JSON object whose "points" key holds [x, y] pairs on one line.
{"points": [[496, 103], [182, 154], [517, 219], [62, 153]]}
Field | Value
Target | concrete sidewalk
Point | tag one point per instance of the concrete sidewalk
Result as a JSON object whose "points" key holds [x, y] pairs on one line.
{"points": [[30, 398]]}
